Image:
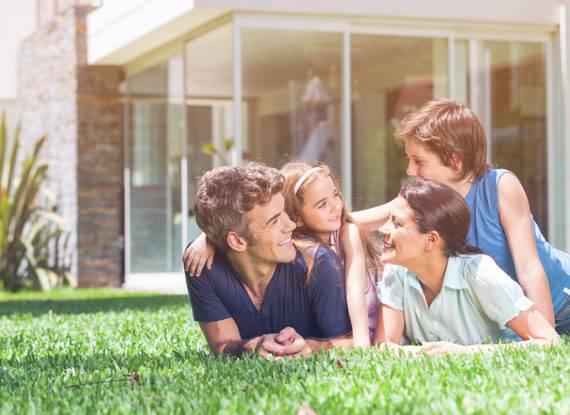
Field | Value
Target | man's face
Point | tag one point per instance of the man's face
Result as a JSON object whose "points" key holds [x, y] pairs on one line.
{"points": [[271, 230]]}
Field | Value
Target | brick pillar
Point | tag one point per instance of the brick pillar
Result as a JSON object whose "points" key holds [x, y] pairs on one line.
{"points": [[78, 107]]}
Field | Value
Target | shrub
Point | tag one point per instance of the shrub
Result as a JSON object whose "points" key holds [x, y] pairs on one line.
{"points": [[28, 231]]}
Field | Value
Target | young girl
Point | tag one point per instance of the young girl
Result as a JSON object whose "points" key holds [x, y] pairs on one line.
{"points": [[441, 289], [445, 141], [313, 200]]}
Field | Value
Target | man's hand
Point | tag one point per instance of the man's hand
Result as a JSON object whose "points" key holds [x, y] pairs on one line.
{"points": [[287, 343]]}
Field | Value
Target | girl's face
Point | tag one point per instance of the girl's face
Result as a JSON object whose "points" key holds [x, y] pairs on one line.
{"points": [[403, 242], [322, 210], [425, 164]]}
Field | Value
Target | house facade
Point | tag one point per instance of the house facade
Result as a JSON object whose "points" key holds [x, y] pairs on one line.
{"points": [[139, 97]]}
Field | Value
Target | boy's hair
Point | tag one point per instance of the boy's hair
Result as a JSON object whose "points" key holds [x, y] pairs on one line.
{"points": [[446, 126], [225, 194], [305, 238]]}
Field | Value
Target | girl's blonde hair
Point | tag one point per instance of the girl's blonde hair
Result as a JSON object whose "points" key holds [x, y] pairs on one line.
{"points": [[294, 190]]}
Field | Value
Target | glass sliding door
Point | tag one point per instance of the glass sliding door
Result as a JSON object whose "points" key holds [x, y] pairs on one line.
{"points": [[154, 149], [292, 96], [208, 109], [507, 89], [390, 77]]}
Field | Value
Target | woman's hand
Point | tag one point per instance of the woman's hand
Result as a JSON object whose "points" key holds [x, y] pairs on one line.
{"points": [[441, 348], [407, 349], [200, 253]]}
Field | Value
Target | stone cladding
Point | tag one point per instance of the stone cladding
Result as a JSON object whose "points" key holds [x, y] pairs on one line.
{"points": [[78, 107]]}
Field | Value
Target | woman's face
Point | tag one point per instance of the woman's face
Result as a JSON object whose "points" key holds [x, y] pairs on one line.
{"points": [[403, 242]]}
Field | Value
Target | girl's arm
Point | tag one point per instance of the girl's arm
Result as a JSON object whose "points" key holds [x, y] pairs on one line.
{"points": [[390, 326], [355, 274], [514, 212], [200, 253], [372, 219]]}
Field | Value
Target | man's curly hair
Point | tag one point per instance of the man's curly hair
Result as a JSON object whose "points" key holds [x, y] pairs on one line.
{"points": [[225, 194]]}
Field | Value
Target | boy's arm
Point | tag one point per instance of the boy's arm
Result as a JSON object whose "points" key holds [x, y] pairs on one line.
{"points": [[514, 212], [355, 272], [373, 218]]}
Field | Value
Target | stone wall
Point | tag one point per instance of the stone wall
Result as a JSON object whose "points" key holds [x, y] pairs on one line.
{"points": [[78, 107]]}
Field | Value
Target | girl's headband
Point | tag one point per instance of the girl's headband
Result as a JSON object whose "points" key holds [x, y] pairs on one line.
{"points": [[304, 177]]}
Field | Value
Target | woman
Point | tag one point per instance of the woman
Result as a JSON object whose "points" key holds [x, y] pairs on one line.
{"points": [[443, 291]]}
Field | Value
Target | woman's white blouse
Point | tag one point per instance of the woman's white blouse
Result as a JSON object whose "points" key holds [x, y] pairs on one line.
{"points": [[475, 303]]}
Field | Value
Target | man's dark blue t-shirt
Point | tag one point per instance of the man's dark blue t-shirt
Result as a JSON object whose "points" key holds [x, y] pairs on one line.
{"points": [[316, 310]]}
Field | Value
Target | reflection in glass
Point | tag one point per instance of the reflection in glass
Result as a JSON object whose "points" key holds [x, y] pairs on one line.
{"points": [[292, 96], [390, 77], [155, 127], [209, 108], [510, 99]]}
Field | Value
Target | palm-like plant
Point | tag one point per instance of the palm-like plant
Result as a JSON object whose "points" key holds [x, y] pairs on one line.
{"points": [[26, 228]]}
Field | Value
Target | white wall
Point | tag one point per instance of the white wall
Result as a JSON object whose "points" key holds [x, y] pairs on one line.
{"points": [[17, 21], [122, 30], [515, 11]]}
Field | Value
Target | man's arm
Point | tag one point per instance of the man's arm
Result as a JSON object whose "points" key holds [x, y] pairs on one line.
{"points": [[223, 337], [322, 345]]}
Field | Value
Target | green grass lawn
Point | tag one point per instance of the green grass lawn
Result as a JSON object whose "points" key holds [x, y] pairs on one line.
{"points": [[70, 352]]}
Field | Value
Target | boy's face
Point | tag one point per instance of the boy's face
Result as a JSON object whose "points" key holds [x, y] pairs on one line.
{"points": [[425, 164]]}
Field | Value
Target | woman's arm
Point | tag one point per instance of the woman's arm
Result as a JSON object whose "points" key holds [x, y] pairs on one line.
{"points": [[514, 212], [355, 273], [372, 219], [530, 325], [390, 326]]}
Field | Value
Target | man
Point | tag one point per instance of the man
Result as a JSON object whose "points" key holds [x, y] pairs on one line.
{"points": [[254, 297]]}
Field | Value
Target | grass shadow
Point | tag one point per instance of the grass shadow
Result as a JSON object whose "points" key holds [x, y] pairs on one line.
{"points": [[92, 305]]}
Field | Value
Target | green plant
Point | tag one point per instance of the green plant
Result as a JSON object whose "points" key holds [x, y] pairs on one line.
{"points": [[27, 229]]}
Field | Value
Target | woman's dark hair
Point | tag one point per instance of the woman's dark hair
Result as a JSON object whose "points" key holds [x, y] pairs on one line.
{"points": [[440, 208]]}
